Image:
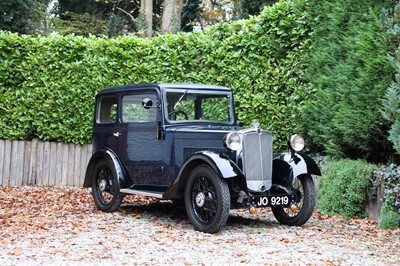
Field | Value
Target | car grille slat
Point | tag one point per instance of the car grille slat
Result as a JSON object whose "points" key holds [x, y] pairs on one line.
{"points": [[257, 160]]}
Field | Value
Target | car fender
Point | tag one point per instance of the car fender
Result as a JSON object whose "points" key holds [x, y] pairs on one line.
{"points": [[103, 154], [301, 164], [222, 165]]}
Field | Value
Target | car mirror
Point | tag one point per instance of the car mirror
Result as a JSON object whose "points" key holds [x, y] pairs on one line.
{"points": [[147, 103]]}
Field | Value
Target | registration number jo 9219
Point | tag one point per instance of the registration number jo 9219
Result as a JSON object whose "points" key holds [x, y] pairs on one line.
{"points": [[271, 201]]}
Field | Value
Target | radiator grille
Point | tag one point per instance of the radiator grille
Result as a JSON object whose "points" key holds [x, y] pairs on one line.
{"points": [[257, 160]]}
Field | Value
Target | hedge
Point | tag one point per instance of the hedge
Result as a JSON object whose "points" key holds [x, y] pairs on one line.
{"points": [[48, 84]]}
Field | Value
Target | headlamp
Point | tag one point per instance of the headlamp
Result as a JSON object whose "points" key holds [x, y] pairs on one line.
{"points": [[232, 141], [296, 142]]}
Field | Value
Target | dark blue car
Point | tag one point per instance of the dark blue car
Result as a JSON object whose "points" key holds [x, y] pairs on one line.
{"points": [[181, 142]]}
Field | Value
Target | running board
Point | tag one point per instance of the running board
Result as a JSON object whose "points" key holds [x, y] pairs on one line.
{"points": [[153, 194]]}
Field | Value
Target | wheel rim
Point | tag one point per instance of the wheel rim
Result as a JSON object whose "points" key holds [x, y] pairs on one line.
{"points": [[298, 192], [105, 185], [203, 199]]}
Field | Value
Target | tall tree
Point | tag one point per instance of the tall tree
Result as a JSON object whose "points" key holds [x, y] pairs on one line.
{"points": [[347, 71], [146, 11], [171, 18]]}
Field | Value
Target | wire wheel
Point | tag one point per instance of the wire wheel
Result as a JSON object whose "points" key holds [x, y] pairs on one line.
{"points": [[305, 197], [207, 200], [105, 188]]}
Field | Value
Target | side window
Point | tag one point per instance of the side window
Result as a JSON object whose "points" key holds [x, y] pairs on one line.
{"points": [[107, 110], [134, 111]]}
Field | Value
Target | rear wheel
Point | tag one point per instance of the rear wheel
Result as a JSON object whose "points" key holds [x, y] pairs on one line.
{"points": [[105, 187], [207, 200], [305, 197]]}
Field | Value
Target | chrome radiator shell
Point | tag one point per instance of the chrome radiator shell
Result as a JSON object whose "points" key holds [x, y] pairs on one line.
{"points": [[256, 156]]}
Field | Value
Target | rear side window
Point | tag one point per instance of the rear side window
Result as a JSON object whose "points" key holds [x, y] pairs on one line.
{"points": [[107, 110], [133, 109]]}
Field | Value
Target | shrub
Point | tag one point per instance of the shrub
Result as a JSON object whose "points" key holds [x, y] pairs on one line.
{"points": [[342, 187], [389, 217]]}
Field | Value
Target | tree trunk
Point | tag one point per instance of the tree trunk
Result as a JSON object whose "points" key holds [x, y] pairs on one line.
{"points": [[171, 18], [146, 10]]}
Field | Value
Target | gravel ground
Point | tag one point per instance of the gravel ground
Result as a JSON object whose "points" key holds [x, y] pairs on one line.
{"points": [[60, 226]]}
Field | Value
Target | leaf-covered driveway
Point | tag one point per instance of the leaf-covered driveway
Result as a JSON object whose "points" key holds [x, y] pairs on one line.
{"points": [[61, 226]]}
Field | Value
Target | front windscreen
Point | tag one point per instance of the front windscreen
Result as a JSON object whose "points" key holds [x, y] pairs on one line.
{"points": [[201, 106]]}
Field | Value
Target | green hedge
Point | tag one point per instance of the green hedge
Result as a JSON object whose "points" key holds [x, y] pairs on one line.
{"points": [[47, 84]]}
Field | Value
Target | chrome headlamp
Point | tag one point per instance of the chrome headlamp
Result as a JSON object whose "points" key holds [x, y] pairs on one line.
{"points": [[296, 143], [232, 141]]}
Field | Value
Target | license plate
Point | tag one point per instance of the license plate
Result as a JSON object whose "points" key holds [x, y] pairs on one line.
{"points": [[271, 201]]}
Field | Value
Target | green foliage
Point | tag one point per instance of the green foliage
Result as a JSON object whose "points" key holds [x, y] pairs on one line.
{"points": [[348, 71], [47, 84], [342, 187], [15, 15], [390, 176], [245, 8], [389, 218], [80, 24], [391, 101], [391, 112]]}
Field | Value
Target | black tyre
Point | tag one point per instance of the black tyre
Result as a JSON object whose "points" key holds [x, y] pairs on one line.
{"points": [[105, 187], [207, 200], [305, 197]]}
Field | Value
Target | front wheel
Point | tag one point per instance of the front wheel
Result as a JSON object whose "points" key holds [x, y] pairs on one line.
{"points": [[207, 200], [105, 187], [305, 197]]}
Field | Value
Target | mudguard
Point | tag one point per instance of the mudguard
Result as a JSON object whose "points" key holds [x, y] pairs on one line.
{"points": [[301, 164], [287, 167], [103, 154], [222, 165]]}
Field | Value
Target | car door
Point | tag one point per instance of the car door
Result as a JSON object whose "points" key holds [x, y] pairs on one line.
{"points": [[139, 146], [106, 123]]}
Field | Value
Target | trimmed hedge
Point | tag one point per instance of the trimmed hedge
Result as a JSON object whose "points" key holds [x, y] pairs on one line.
{"points": [[47, 84]]}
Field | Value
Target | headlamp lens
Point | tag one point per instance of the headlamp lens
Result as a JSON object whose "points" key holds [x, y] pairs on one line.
{"points": [[232, 141], [297, 142]]}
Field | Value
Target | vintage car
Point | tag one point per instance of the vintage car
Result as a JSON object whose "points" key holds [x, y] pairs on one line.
{"points": [[181, 142]]}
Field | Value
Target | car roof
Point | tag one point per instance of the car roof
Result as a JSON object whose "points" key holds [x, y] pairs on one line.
{"points": [[165, 86]]}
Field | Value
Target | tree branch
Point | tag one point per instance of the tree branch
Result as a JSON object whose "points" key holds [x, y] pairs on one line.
{"points": [[120, 9]]}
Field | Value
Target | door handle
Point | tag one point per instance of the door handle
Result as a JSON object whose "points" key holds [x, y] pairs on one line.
{"points": [[117, 134]]}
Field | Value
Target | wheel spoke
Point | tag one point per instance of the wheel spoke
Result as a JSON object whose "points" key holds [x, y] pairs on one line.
{"points": [[205, 213], [304, 197], [104, 185]]}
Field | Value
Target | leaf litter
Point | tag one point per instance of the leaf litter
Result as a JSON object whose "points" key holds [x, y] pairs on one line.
{"points": [[42, 225]]}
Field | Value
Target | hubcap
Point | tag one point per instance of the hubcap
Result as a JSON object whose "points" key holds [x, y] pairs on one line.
{"points": [[102, 185], [200, 199]]}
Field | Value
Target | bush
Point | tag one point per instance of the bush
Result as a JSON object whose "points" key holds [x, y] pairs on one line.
{"points": [[47, 84], [389, 217], [342, 187]]}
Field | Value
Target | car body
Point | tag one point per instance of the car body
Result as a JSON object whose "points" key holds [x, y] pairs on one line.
{"points": [[181, 142]]}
